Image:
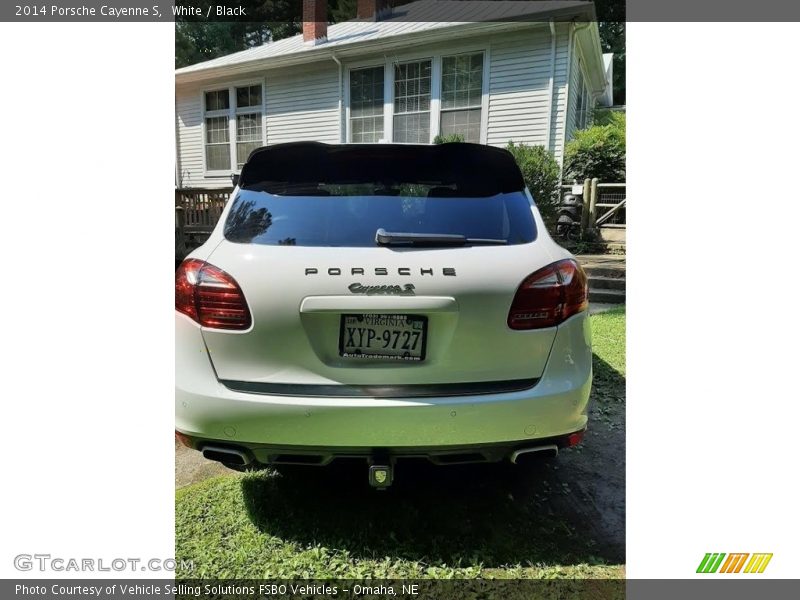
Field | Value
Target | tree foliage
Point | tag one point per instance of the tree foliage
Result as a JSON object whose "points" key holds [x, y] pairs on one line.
{"points": [[541, 174], [611, 22], [198, 40], [343, 10], [452, 138], [598, 151], [612, 39]]}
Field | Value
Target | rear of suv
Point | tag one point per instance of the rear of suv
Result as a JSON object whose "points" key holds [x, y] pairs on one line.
{"points": [[380, 301]]}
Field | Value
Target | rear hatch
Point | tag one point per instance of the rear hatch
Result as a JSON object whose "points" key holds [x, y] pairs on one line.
{"points": [[425, 303]]}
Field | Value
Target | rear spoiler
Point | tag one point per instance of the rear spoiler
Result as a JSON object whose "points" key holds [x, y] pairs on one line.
{"points": [[471, 169]]}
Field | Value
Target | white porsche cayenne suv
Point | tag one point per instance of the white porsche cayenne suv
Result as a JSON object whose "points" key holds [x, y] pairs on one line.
{"points": [[380, 301]]}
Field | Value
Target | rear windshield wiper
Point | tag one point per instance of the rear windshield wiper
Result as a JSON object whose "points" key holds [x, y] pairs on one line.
{"points": [[388, 238]]}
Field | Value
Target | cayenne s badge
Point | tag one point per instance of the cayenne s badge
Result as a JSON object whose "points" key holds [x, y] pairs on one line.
{"points": [[388, 290]]}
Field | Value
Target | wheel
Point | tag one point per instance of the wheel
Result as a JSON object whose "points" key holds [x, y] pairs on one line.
{"points": [[573, 233]]}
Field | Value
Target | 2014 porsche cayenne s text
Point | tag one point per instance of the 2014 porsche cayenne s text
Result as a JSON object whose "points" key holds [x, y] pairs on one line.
{"points": [[381, 302]]}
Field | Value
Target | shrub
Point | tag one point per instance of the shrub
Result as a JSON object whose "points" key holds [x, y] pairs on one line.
{"points": [[448, 139], [541, 173], [598, 151]]}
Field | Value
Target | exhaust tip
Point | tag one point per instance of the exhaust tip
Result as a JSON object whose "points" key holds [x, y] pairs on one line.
{"points": [[230, 456], [536, 453]]}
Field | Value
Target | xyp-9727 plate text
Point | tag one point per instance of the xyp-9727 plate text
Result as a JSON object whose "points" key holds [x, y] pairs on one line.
{"points": [[381, 336]]}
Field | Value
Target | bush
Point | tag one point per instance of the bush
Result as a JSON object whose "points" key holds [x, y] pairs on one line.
{"points": [[541, 173], [453, 138], [598, 151]]}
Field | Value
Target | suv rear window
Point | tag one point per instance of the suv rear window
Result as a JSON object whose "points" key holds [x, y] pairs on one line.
{"points": [[312, 194], [342, 215]]}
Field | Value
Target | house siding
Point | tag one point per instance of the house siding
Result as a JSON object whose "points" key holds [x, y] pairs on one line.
{"points": [[558, 130], [302, 103], [572, 107], [519, 90], [303, 106], [189, 122]]}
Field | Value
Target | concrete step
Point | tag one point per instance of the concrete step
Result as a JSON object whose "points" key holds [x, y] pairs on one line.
{"points": [[607, 283], [613, 235], [604, 271], [606, 274], [606, 296]]}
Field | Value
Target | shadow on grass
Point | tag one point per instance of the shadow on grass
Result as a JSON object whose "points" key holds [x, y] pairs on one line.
{"points": [[565, 511]]}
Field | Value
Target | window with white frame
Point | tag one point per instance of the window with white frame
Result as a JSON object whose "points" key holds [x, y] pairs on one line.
{"points": [[581, 102], [366, 105], [412, 102], [248, 122], [218, 151], [588, 106], [462, 96], [233, 125]]}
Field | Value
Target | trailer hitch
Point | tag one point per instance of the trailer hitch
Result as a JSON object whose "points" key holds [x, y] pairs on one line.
{"points": [[381, 472]]}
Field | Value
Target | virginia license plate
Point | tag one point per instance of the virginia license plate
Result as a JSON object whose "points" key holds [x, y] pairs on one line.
{"points": [[396, 337]]}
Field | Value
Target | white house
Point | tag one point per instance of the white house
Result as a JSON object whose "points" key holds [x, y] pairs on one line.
{"points": [[396, 75]]}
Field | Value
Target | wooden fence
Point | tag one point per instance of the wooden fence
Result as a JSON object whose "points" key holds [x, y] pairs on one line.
{"points": [[196, 214], [603, 205], [198, 210]]}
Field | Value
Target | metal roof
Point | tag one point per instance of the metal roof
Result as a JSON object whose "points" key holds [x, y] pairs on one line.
{"points": [[417, 17]]}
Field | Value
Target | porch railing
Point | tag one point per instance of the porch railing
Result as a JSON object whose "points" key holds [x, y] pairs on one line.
{"points": [[199, 209], [603, 204], [196, 214], [610, 205]]}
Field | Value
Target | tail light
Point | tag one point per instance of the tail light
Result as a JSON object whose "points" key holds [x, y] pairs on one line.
{"points": [[210, 296], [549, 296]]}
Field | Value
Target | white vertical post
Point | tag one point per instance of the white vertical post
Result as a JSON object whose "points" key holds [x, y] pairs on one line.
{"points": [[388, 101], [232, 126], [485, 98], [593, 204], [436, 96], [587, 198]]}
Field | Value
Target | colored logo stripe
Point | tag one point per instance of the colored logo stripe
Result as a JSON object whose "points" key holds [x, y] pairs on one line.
{"points": [[710, 562], [734, 562], [758, 563]]}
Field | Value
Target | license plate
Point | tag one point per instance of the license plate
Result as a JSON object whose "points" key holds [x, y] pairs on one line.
{"points": [[394, 337]]}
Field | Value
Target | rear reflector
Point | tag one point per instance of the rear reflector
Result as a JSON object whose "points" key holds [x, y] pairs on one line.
{"points": [[184, 439], [549, 296], [210, 296], [573, 439]]}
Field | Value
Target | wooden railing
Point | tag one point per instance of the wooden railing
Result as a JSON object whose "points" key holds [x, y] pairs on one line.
{"points": [[198, 210], [610, 205], [196, 214], [603, 204]]}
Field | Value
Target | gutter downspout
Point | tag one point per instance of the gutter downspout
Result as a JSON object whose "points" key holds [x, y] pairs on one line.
{"points": [[342, 129], [566, 94], [548, 146]]}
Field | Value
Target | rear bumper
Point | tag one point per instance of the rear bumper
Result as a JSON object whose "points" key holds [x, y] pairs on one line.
{"points": [[245, 454], [266, 424]]}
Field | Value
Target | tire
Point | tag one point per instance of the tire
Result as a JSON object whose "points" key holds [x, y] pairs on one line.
{"points": [[573, 233]]}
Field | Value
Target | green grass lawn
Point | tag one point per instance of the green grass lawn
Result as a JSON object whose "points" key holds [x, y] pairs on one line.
{"points": [[446, 522], [608, 343]]}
